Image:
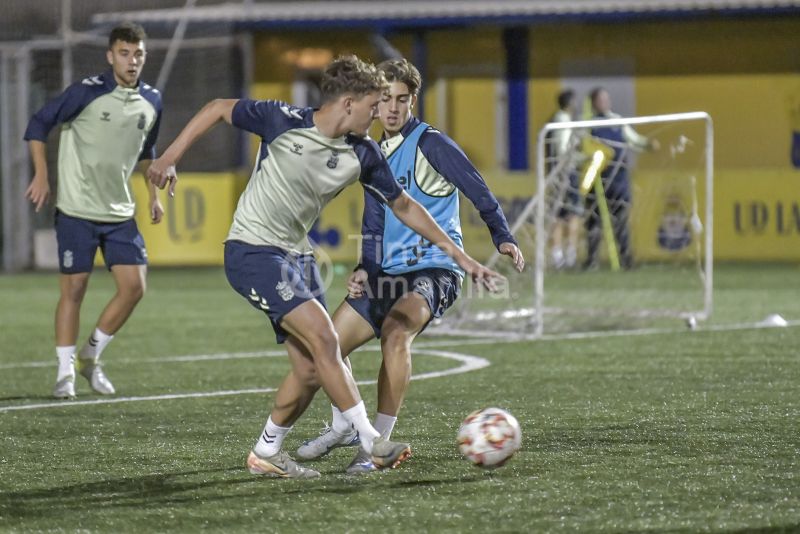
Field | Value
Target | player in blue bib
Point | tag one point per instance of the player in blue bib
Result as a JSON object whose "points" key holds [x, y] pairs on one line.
{"points": [[404, 280], [306, 158]]}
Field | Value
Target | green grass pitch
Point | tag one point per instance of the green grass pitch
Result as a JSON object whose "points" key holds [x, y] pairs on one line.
{"points": [[680, 431]]}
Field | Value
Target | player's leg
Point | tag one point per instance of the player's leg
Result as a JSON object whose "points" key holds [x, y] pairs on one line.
{"points": [[125, 256], [310, 324], [619, 209], [67, 321], [293, 397], [353, 331], [430, 292], [593, 229], [77, 245], [557, 257]]}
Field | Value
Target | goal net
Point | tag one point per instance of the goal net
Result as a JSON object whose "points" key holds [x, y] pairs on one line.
{"points": [[617, 236]]}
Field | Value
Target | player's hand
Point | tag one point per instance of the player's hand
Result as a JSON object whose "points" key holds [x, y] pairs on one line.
{"points": [[512, 251], [39, 191], [481, 274], [161, 173], [156, 210], [356, 282], [654, 145]]}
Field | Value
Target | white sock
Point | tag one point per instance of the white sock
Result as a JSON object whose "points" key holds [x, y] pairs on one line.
{"points": [[339, 424], [385, 424], [66, 361], [94, 346], [271, 439], [357, 416]]}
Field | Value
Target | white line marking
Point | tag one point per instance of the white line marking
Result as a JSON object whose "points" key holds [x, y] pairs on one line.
{"points": [[501, 337], [468, 363]]}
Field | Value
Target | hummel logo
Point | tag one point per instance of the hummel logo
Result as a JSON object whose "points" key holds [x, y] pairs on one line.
{"points": [[267, 438], [291, 113], [106, 116], [94, 80], [296, 149]]}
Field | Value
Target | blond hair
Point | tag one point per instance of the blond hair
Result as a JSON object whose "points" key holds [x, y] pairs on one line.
{"points": [[349, 74]]}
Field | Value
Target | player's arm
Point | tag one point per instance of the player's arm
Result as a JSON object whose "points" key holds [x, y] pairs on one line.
{"points": [[162, 170], [61, 109], [154, 206], [413, 215], [634, 138], [450, 162], [39, 189]]}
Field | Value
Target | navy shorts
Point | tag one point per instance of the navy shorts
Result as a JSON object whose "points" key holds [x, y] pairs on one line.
{"points": [[78, 239], [273, 280], [439, 287]]}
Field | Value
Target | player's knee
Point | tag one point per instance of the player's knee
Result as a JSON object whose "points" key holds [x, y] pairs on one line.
{"points": [[133, 292], [324, 343], [74, 290], [396, 338]]}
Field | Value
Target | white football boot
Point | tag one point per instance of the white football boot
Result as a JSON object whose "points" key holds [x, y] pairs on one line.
{"points": [[361, 464], [93, 372], [65, 387], [328, 439]]}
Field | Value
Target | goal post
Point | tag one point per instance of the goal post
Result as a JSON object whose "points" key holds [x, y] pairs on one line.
{"points": [[639, 192]]}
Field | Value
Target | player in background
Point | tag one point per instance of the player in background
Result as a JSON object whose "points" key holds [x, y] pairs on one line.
{"points": [[616, 182], [306, 158], [560, 149], [404, 280], [109, 124]]}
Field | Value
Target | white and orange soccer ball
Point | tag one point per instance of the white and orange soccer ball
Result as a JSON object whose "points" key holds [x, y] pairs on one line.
{"points": [[489, 437]]}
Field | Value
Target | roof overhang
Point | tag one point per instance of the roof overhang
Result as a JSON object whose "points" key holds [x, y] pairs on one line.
{"points": [[426, 13]]}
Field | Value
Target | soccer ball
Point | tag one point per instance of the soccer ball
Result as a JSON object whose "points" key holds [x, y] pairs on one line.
{"points": [[489, 437]]}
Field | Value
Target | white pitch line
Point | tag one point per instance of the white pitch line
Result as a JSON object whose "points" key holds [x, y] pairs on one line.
{"points": [[243, 355], [468, 363], [452, 342]]}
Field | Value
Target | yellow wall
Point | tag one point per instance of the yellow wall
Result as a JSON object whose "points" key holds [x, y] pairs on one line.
{"points": [[195, 222]]}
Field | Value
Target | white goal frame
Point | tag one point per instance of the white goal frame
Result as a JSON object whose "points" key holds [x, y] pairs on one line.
{"points": [[536, 210]]}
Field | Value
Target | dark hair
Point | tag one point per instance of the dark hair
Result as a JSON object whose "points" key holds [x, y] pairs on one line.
{"points": [[127, 32], [401, 70], [348, 74], [565, 98]]}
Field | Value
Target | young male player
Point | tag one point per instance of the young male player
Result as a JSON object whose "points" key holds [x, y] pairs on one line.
{"points": [[404, 280], [306, 158], [109, 123]]}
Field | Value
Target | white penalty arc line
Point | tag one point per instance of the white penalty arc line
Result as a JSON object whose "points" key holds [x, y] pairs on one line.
{"points": [[468, 363]]}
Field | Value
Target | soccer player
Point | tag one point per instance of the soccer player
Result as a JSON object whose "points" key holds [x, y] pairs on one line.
{"points": [[616, 183], [109, 123], [404, 280], [307, 156], [560, 149]]}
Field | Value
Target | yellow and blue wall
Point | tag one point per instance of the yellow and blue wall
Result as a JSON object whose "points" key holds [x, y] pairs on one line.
{"points": [[745, 72]]}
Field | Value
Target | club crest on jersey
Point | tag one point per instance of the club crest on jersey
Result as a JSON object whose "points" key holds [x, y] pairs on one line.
{"points": [[284, 290], [67, 259], [141, 122], [333, 161], [106, 116], [297, 149]]}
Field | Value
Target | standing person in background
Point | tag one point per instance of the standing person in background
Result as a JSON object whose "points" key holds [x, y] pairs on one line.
{"points": [[561, 153], [615, 179], [404, 280], [306, 158], [110, 123]]}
